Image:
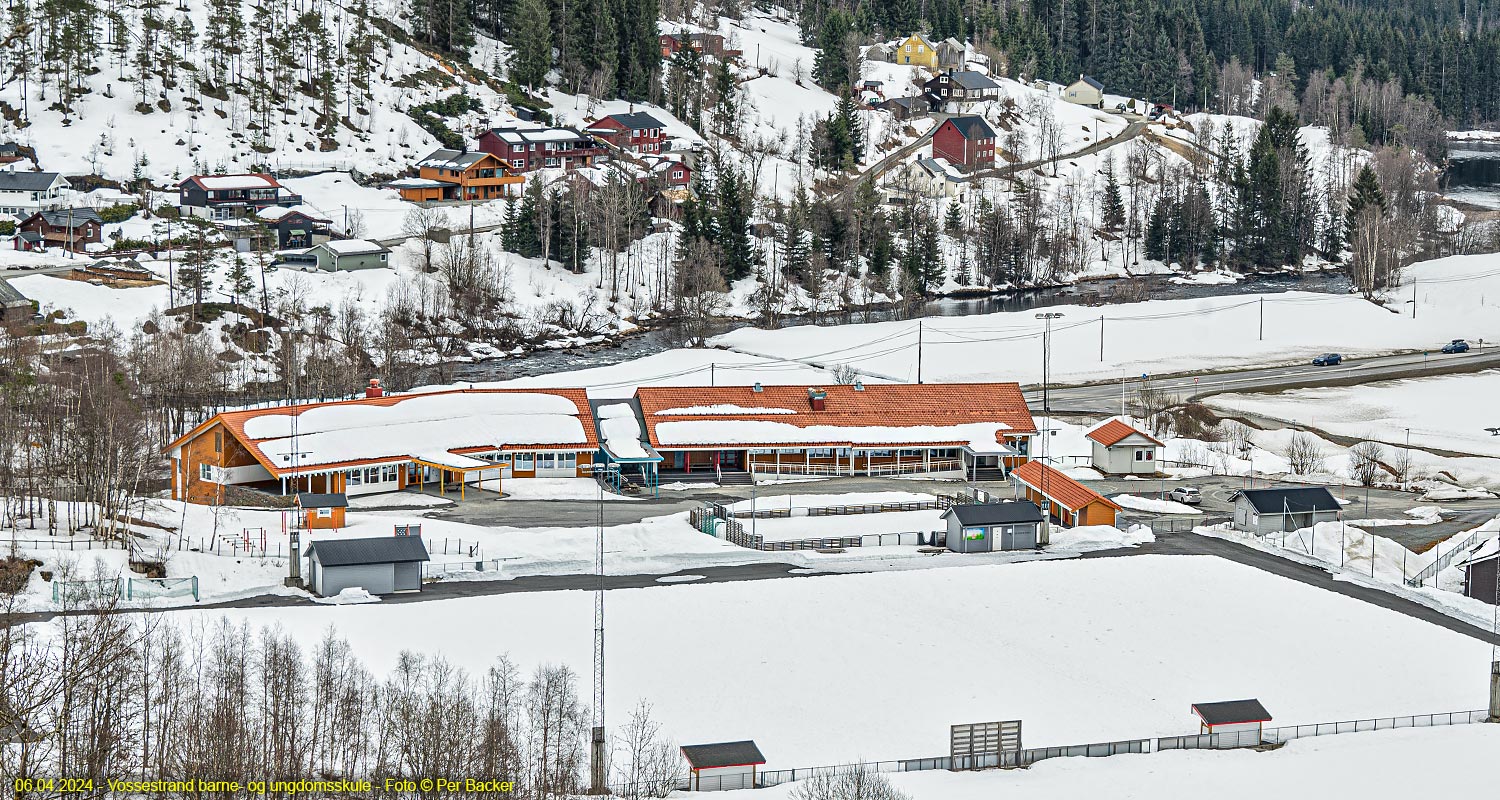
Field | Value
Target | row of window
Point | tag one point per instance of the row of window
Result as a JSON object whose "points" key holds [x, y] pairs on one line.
{"points": [[371, 475], [843, 452], [525, 462], [1145, 455]]}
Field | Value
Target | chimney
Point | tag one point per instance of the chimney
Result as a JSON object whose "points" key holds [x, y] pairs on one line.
{"points": [[757, 388], [859, 386], [374, 390], [816, 398]]}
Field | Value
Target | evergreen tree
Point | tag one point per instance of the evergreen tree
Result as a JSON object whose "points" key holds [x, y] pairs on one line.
{"points": [[531, 45], [732, 221], [1114, 205], [832, 66]]}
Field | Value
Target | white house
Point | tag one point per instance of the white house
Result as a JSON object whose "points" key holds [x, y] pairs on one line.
{"points": [[1085, 92], [929, 177], [722, 766], [1120, 449], [24, 193]]}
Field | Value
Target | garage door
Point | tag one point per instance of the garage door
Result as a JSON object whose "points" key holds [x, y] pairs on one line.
{"points": [[373, 578], [1017, 537]]}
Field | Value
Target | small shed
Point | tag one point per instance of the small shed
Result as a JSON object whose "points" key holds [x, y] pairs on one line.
{"points": [[1069, 501], [1120, 449], [322, 511], [1479, 573], [722, 766], [986, 527], [1286, 508], [1237, 722], [379, 565]]}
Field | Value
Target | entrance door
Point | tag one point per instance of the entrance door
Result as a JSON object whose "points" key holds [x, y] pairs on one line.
{"points": [[1017, 537]]}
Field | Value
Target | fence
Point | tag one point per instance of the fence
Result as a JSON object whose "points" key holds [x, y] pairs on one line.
{"points": [[1010, 759], [442, 568], [944, 465], [83, 591], [1444, 559], [942, 501], [140, 588], [67, 544]]}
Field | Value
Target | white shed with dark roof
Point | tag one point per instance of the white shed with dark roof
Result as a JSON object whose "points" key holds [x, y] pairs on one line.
{"points": [[1237, 723], [1286, 508], [722, 765], [379, 565]]}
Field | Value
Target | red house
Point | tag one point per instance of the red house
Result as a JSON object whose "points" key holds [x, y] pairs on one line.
{"points": [[967, 141], [68, 228], [671, 174], [530, 149], [637, 132]]}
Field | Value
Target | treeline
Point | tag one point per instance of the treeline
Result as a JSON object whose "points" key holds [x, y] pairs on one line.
{"points": [[104, 695], [607, 48], [1447, 51]]}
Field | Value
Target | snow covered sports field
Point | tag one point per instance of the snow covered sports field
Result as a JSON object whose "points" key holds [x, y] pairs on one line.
{"points": [[876, 666]]}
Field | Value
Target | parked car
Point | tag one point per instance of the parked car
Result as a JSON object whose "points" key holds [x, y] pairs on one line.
{"points": [[1120, 106], [1328, 360], [1188, 495], [1456, 346]]}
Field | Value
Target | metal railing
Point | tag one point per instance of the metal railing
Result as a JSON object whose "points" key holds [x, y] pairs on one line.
{"points": [[941, 465], [439, 569], [1443, 560]]}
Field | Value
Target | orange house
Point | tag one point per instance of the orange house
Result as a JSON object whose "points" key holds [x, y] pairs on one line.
{"points": [[1064, 498], [458, 175], [322, 511]]}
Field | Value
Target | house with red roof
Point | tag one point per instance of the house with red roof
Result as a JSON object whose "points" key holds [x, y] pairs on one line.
{"points": [[1064, 499], [1120, 449]]}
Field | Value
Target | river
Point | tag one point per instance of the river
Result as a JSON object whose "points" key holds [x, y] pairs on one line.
{"points": [[1473, 174], [1103, 292]]}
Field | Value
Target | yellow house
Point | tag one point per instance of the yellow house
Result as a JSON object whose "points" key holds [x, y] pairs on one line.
{"points": [[917, 51]]}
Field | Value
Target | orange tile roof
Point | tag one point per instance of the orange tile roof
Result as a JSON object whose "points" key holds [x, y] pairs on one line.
{"points": [[891, 405], [1113, 432], [234, 422], [1064, 491]]}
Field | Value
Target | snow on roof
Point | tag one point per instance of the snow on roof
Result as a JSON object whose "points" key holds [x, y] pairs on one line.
{"points": [[978, 436], [621, 431], [522, 135], [444, 158], [418, 183], [426, 426], [221, 182], [347, 247], [720, 408], [443, 458], [274, 213]]}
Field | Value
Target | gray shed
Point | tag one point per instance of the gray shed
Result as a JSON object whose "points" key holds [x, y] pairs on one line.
{"points": [[379, 565], [1265, 511], [722, 766], [1479, 573], [985, 527]]}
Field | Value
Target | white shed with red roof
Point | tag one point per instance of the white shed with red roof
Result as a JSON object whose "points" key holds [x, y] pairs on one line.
{"points": [[1121, 449]]}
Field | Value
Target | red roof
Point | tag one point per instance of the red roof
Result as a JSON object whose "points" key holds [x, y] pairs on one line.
{"points": [[197, 179], [886, 405], [234, 422], [1061, 489], [1113, 432]]}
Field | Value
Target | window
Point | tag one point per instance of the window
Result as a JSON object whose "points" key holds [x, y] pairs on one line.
{"points": [[206, 472], [372, 475], [388, 473], [1145, 455], [908, 48], [820, 452], [544, 460], [325, 513], [524, 462], [218, 441], [877, 453], [909, 453], [567, 460], [790, 451], [355, 477]]}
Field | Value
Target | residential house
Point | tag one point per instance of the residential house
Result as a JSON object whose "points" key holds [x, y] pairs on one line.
{"points": [[986, 527], [458, 175], [530, 149], [904, 108], [709, 44], [23, 193], [1286, 508], [637, 131], [377, 564], [298, 226], [960, 88], [1120, 449], [943, 430], [966, 141], [444, 440], [880, 52], [670, 174], [70, 229], [340, 255], [917, 51], [722, 766], [951, 54], [878, 87], [1479, 573], [14, 306], [927, 177], [10, 152], [1064, 499], [1085, 92], [229, 197]]}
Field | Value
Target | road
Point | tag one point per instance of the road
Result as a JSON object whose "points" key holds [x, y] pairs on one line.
{"points": [[1105, 398], [1135, 128]]}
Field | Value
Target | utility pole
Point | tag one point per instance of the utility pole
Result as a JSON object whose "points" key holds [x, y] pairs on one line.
{"points": [[1406, 471], [596, 745], [1413, 298], [919, 351], [1046, 318], [1262, 318], [1101, 337]]}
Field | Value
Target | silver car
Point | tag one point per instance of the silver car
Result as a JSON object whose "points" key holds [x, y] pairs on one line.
{"points": [[1187, 495]]}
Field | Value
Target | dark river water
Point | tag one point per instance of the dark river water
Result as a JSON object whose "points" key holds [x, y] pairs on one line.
{"points": [[1473, 174], [666, 336]]}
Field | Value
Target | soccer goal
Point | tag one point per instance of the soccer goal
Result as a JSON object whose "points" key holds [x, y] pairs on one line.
{"points": [[80, 592], [140, 588]]}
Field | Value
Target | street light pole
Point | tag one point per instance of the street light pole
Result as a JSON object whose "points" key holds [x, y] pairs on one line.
{"points": [[596, 745], [1046, 318]]}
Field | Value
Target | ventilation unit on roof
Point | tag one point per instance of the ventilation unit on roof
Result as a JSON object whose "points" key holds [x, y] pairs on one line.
{"points": [[757, 387], [859, 386], [816, 398]]}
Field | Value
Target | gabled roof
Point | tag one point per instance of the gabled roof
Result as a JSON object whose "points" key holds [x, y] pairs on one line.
{"points": [[972, 126], [444, 158], [969, 79], [1090, 81], [67, 217], [1064, 491], [1113, 432], [538, 135], [973, 415], [311, 500], [636, 120], [722, 754], [905, 102], [1232, 712], [246, 180], [921, 37], [314, 437], [25, 181], [1005, 513], [372, 550], [284, 213], [352, 247], [1291, 499], [1486, 551], [10, 294]]}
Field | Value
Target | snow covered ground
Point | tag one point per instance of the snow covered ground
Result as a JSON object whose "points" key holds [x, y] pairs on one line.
{"points": [[1369, 766], [1153, 505], [1051, 643], [1159, 336]]}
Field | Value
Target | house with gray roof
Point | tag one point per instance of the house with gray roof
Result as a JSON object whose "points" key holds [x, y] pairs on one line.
{"points": [[340, 255], [1284, 508], [1085, 92], [377, 564], [23, 193], [961, 87], [14, 306], [69, 228], [636, 131]]}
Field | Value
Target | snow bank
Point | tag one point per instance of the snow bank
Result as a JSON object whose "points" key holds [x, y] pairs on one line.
{"points": [[1155, 506]]}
